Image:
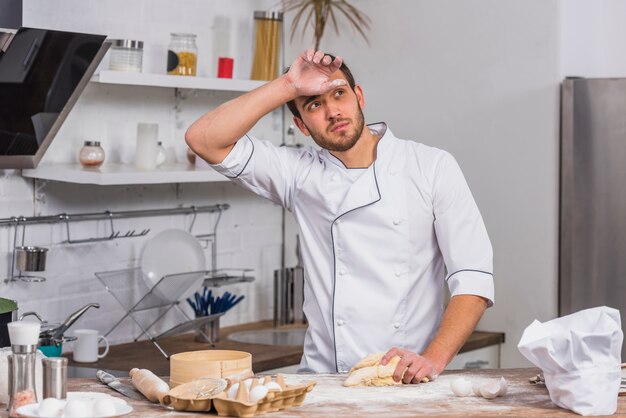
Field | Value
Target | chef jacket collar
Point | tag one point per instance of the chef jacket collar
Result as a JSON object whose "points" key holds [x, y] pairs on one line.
{"points": [[378, 128]]}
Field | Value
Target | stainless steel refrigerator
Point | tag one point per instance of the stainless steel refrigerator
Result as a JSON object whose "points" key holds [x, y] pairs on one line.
{"points": [[592, 260]]}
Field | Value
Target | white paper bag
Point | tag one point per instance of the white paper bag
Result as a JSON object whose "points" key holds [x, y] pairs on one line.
{"points": [[580, 358]]}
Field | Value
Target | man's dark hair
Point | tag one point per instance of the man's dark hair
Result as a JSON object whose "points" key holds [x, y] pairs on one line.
{"points": [[344, 69]]}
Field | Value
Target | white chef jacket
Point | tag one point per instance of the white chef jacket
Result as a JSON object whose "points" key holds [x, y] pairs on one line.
{"points": [[377, 243]]}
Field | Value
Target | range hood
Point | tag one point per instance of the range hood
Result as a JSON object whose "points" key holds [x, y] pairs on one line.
{"points": [[42, 74]]}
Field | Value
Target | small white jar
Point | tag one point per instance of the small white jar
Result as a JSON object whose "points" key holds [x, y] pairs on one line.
{"points": [[126, 55], [91, 154]]}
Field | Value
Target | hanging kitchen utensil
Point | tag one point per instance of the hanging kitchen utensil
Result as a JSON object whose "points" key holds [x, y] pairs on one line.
{"points": [[26, 258]]}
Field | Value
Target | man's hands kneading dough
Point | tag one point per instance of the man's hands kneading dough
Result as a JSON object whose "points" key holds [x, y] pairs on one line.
{"points": [[411, 368], [371, 371]]}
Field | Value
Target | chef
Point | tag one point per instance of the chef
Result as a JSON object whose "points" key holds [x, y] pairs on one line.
{"points": [[384, 222]]}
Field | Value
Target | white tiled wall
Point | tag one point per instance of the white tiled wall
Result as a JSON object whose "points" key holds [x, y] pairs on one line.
{"points": [[249, 234]]}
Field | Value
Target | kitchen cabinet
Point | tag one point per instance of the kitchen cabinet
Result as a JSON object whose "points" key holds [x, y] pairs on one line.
{"points": [[122, 174]]}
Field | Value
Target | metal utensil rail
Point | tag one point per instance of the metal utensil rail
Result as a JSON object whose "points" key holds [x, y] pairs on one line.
{"points": [[110, 216], [23, 221]]}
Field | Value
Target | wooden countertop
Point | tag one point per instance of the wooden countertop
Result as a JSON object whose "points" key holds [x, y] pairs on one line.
{"points": [[329, 398], [143, 354]]}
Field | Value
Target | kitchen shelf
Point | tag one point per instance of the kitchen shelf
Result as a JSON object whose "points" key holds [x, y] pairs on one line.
{"points": [[122, 174], [175, 81]]}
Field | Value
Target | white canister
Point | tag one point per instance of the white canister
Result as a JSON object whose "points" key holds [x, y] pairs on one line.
{"points": [[147, 146], [126, 55]]}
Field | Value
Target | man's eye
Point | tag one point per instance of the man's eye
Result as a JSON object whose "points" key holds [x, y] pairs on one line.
{"points": [[340, 93], [314, 105]]}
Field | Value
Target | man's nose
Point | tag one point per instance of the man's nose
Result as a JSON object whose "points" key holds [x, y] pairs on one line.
{"points": [[332, 112]]}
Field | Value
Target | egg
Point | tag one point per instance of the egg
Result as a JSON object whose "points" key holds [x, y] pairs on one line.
{"points": [[232, 391], [76, 409], [51, 407], [476, 387], [273, 386], [103, 408], [248, 382], [258, 393], [490, 389], [503, 386], [461, 386]]}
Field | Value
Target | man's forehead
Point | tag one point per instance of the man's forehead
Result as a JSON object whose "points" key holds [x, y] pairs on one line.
{"points": [[335, 76]]}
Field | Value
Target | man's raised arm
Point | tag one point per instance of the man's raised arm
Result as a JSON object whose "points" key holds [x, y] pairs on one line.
{"points": [[215, 133]]}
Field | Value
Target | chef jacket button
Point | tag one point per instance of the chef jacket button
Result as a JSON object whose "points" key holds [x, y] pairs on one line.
{"points": [[398, 273], [397, 325], [340, 322], [392, 172], [396, 221], [334, 177], [342, 272], [338, 221]]}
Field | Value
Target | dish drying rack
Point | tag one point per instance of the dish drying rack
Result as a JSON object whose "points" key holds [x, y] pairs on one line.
{"points": [[129, 287]]}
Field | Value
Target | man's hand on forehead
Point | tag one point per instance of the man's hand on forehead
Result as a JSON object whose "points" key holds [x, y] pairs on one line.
{"points": [[310, 74]]}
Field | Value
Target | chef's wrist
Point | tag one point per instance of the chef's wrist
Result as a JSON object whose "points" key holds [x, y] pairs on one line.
{"points": [[437, 359]]}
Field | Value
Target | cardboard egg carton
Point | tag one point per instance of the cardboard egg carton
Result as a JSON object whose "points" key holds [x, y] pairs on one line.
{"points": [[275, 400]]}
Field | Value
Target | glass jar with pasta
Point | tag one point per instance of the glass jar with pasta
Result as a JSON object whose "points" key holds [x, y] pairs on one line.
{"points": [[182, 54], [267, 45]]}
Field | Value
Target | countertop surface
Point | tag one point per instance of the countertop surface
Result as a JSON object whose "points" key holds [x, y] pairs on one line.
{"points": [[145, 355], [329, 398]]}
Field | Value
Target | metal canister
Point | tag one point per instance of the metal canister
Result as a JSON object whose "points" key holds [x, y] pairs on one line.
{"points": [[55, 377]]}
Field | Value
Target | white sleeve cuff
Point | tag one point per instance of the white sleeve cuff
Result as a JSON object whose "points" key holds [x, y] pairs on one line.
{"points": [[237, 159], [472, 282]]}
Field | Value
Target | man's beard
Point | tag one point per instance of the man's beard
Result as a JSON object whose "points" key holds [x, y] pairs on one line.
{"points": [[327, 143]]}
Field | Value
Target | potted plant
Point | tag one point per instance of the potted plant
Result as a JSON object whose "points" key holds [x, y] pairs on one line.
{"points": [[8, 313], [320, 12]]}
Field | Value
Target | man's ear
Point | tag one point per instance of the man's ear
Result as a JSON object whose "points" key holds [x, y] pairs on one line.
{"points": [[301, 126], [359, 95]]}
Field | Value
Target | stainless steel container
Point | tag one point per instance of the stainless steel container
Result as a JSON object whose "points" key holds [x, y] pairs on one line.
{"points": [[30, 258], [289, 296], [55, 377], [289, 293]]}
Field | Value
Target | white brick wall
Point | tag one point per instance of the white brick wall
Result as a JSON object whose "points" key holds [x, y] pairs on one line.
{"points": [[249, 234]]}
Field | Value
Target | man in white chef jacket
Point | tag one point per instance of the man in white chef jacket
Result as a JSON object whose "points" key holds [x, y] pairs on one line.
{"points": [[384, 222]]}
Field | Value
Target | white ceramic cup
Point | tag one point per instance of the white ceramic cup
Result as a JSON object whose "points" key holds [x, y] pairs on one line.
{"points": [[86, 346]]}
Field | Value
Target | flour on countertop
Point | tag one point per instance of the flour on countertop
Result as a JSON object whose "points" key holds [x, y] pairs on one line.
{"points": [[431, 398]]}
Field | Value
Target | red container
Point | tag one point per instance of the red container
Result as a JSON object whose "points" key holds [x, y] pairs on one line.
{"points": [[225, 67]]}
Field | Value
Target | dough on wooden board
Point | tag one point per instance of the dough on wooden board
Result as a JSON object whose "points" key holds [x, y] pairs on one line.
{"points": [[369, 372]]}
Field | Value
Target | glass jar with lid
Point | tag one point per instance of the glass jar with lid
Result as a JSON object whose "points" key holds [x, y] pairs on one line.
{"points": [[182, 54], [267, 45], [126, 55], [91, 154]]}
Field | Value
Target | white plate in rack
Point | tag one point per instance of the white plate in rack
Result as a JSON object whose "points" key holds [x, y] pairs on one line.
{"points": [[171, 251]]}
